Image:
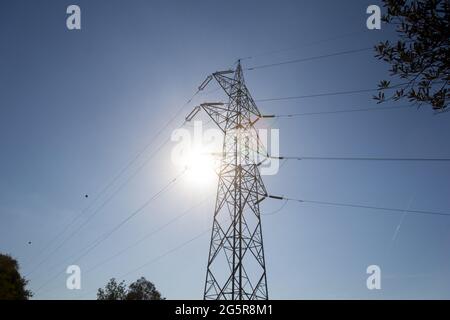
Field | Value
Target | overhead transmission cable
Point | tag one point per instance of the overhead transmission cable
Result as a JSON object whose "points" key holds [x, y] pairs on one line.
{"points": [[325, 94], [304, 45], [358, 158], [99, 208], [112, 182], [183, 244], [148, 235], [166, 253], [295, 115], [341, 53], [352, 205], [105, 236], [152, 233]]}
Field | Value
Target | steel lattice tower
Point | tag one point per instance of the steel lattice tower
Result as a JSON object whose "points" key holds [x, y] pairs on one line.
{"points": [[236, 265]]}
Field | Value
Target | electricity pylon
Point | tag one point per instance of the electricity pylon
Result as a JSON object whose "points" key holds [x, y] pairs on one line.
{"points": [[236, 266]]}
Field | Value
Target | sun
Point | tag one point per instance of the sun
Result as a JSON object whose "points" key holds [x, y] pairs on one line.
{"points": [[201, 167]]}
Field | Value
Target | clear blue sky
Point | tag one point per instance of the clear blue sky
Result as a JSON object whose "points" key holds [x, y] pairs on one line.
{"points": [[77, 106]]}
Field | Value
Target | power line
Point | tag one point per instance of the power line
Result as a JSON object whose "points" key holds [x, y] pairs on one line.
{"points": [[133, 214], [300, 158], [105, 236], [352, 205], [148, 235], [166, 253], [294, 115], [335, 93], [127, 180], [102, 205], [115, 178], [153, 233], [361, 158], [324, 94], [183, 244], [341, 53], [304, 45]]}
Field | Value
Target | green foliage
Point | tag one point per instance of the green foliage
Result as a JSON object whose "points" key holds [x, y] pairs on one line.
{"points": [[141, 289], [421, 56], [12, 284], [113, 291]]}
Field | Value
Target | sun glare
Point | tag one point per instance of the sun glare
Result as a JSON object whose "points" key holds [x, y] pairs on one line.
{"points": [[200, 167]]}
